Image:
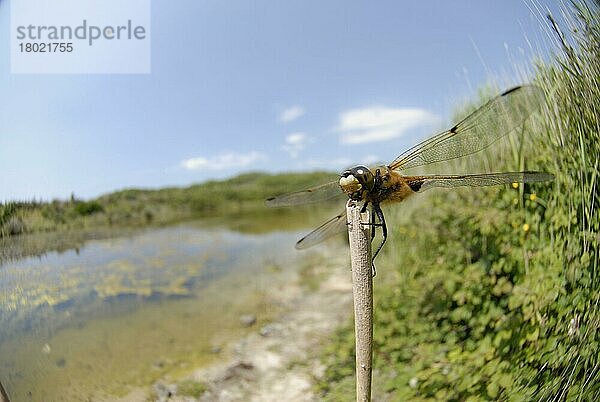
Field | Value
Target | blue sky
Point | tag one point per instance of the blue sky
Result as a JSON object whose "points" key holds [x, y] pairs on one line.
{"points": [[262, 85]]}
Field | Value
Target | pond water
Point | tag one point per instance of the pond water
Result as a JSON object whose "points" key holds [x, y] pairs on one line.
{"points": [[120, 313]]}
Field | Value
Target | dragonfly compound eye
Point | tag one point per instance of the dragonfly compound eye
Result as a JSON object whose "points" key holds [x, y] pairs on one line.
{"points": [[364, 176]]}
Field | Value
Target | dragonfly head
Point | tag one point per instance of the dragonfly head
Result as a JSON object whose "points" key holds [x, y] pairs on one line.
{"points": [[356, 181]]}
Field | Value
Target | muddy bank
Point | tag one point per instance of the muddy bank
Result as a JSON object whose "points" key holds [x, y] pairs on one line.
{"points": [[280, 360]]}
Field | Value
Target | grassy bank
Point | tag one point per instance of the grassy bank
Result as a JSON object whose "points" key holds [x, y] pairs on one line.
{"points": [[243, 195], [493, 294]]}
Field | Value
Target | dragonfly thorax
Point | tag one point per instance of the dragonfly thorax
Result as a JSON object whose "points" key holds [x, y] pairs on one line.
{"points": [[357, 181]]}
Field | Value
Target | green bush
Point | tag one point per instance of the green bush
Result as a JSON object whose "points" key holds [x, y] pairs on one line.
{"points": [[84, 208]]}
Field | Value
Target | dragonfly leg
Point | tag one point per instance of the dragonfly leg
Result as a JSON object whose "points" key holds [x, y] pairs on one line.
{"points": [[364, 207], [372, 223], [372, 220], [375, 213], [379, 212], [373, 232], [373, 226]]}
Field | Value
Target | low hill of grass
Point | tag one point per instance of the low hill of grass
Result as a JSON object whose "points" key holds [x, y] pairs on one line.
{"points": [[241, 195], [494, 293]]}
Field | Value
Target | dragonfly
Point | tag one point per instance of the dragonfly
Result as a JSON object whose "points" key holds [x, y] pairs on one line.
{"points": [[386, 184]]}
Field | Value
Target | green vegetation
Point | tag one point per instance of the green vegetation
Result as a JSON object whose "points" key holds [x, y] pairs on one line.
{"points": [[241, 195], [493, 294], [88, 208]]}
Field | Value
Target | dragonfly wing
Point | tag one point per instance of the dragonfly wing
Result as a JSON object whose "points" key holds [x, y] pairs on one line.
{"points": [[321, 193], [422, 183], [335, 225], [477, 131]]}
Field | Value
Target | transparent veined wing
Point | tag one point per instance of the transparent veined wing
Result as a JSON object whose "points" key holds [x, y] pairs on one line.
{"points": [[422, 183], [335, 225], [477, 131], [325, 192]]}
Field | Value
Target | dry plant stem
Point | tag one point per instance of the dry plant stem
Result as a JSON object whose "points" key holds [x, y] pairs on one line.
{"points": [[362, 289]]}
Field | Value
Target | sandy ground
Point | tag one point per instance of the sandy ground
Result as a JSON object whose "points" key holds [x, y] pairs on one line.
{"points": [[281, 360]]}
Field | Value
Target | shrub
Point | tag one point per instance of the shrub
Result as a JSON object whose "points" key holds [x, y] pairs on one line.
{"points": [[84, 208]]}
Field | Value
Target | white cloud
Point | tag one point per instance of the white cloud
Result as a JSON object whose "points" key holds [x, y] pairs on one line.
{"points": [[380, 123], [290, 114], [223, 161], [295, 143]]}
